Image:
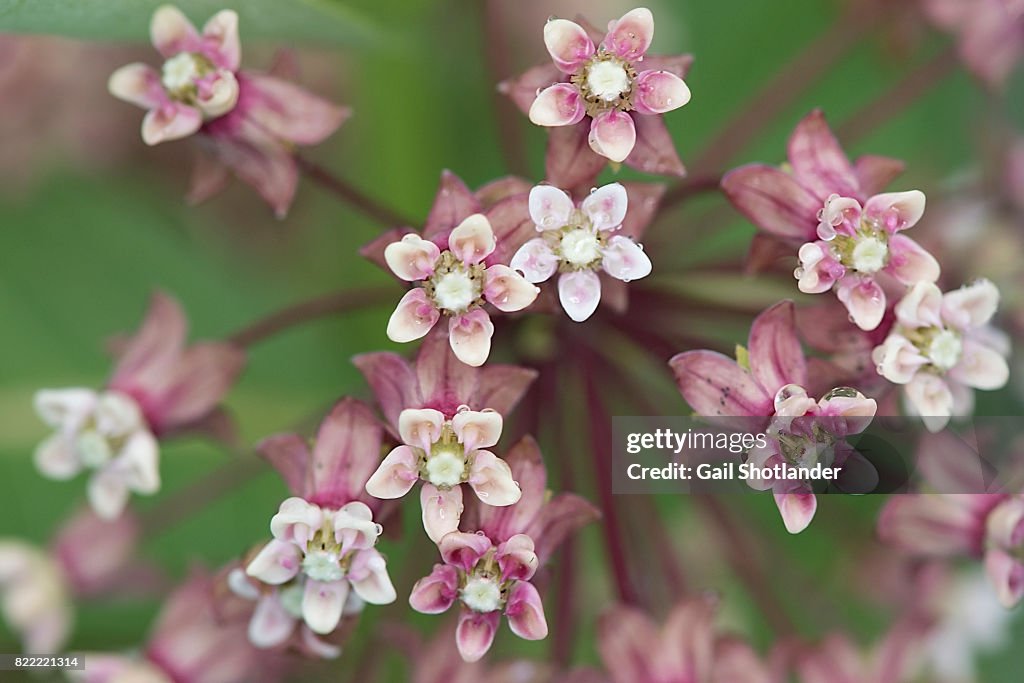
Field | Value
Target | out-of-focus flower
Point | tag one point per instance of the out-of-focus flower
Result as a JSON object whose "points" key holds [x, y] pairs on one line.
{"points": [[488, 570], [857, 244], [158, 386], [35, 600], [941, 348], [989, 34], [895, 658], [456, 282], [251, 121], [610, 80], [324, 535], [578, 241]]}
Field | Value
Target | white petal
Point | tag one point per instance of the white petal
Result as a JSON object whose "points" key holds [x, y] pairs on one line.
{"points": [[920, 306], [550, 207], [477, 429], [535, 260], [980, 367], [296, 521], [441, 510], [140, 460], [972, 305], [491, 479], [929, 397], [271, 624], [278, 562], [472, 240], [56, 458], [412, 258], [64, 407], [625, 260], [606, 206], [507, 290], [413, 318], [420, 427], [322, 604], [579, 292], [470, 337], [108, 493]]}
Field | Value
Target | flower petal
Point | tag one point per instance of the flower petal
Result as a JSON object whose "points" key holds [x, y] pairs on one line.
{"points": [[442, 510], [658, 92], [413, 318], [435, 592], [64, 407], [475, 633], [875, 172], [57, 458], [929, 397], [864, 299], [896, 210], [819, 163], [535, 260], [517, 559], [773, 201], [289, 455], [507, 290], [368, 574], [525, 612], [713, 384], [220, 37], [140, 462], [139, 84], [171, 32], [980, 367], [322, 604], [396, 475], [557, 105], [776, 356], [412, 258], [579, 293], [470, 336], [278, 562], [909, 262], [606, 206], [271, 624], [550, 207], [625, 260], [346, 452], [108, 493], [462, 549], [172, 121], [655, 150], [296, 521], [897, 359], [393, 380], [569, 161], [354, 528], [970, 306], [472, 240], [286, 112], [921, 306], [491, 479], [631, 35], [797, 510], [1006, 573], [567, 43], [613, 135], [420, 427], [477, 429]]}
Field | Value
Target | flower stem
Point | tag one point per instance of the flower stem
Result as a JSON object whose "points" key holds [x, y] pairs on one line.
{"points": [[690, 187], [312, 309], [350, 194]]}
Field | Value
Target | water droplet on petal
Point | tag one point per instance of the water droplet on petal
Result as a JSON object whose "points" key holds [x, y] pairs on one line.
{"points": [[462, 408], [593, 190]]}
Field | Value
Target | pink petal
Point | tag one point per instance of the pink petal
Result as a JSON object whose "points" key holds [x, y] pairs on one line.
{"points": [[346, 453], [525, 612], [507, 290], [296, 521], [442, 510], [220, 36], [461, 549], [713, 384], [392, 379], [475, 633], [655, 150], [271, 624], [286, 112], [580, 293], [980, 367], [569, 161], [864, 299], [527, 465], [523, 89], [412, 258], [472, 240], [970, 306], [797, 510], [689, 640], [453, 202], [773, 201], [420, 427], [631, 35], [139, 84], [413, 318], [510, 219], [322, 604], [477, 429], [172, 121], [470, 336], [658, 92], [264, 164], [921, 306], [625, 636], [556, 520], [896, 210], [368, 575], [936, 525], [776, 356], [535, 260], [557, 105], [208, 179], [517, 559], [875, 172], [198, 382], [1006, 573], [606, 206], [929, 397], [277, 563], [289, 455], [171, 32], [396, 474], [567, 43], [625, 260], [445, 381], [613, 135], [491, 479], [436, 592], [897, 359], [819, 163], [550, 207]]}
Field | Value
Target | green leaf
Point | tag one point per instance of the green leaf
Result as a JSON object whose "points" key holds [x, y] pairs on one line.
{"points": [[321, 21]]}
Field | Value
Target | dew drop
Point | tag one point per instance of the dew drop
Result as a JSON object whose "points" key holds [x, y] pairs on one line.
{"points": [[380, 529], [593, 190]]}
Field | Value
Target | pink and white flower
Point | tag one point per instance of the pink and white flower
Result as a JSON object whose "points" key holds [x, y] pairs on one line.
{"points": [[488, 571], [579, 242], [941, 347], [856, 244], [456, 283], [158, 386], [324, 535], [989, 34]]}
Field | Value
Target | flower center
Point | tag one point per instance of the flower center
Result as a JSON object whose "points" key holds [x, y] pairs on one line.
{"points": [[94, 450], [944, 350], [181, 71], [580, 247], [323, 565], [481, 594], [607, 80], [454, 287], [446, 466], [869, 255]]}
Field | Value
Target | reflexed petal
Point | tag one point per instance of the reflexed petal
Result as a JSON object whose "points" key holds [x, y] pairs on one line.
{"points": [[442, 510], [776, 356], [713, 384], [322, 604], [896, 210], [523, 89], [472, 240], [517, 559], [462, 549], [412, 258], [436, 592], [507, 290], [171, 32], [420, 427], [354, 527], [492, 480], [557, 105], [550, 207], [413, 318], [277, 563], [396, 474], [57, 458], [625, 260], [392, 379], [613, 135], [525, 612], [286, 112], [897, 359], [567, 43], [470, 337], [921, 306], [773, 201], [139, 84], [172, 121], [797, 510], [909, 262], [289, 455], [220, 35], [345, 454], [625, 636], [535, 260], [655, 150], [64, 407], [296, 521], [970, 306], [864, 299], [658, 92], [936, 525], [980, 367], [606, 206], [477, 429], [271, 624], [368, 574], [579, 292], [569, 161], [929, 397], [875, 172], [819, 163], [108, 493], [475, 633], [631, 35]]}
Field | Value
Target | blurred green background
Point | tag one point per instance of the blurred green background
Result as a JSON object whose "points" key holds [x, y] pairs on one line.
{"points": [[91, 221]]}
